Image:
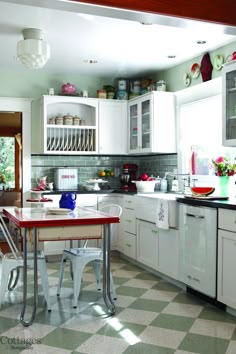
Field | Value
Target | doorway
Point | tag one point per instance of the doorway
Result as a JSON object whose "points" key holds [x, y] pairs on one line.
{"points": [[11, 159]]}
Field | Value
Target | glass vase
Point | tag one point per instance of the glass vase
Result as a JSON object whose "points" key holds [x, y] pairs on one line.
{"points": [[223, 184]]}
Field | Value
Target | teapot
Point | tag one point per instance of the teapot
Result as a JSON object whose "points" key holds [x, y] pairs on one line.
{"points": [[68, 201], [68, 88]]}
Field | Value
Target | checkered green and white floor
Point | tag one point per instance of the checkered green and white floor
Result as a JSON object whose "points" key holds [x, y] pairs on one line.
{"points": [[153, 317]]}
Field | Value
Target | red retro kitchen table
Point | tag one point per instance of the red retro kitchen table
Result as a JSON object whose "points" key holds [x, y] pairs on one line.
{"points": [[41, 224]]}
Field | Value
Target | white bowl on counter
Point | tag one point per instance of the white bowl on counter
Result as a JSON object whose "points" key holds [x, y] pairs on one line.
{"points": [[145, 186]]}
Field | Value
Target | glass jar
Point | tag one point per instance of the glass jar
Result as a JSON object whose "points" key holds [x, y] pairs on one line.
{"points": [[68, 120], [161, 85], [76, 120]]}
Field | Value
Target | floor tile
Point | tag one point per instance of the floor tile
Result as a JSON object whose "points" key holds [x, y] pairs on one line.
{"points": [[140, 283], [147, 276], [231, 348], [213, 313], [65, 338], [128, 291], [6, 323], [124, 273], [213, 328], [163, 285], [204, 344], [149, 305], [183, 309], [121, 329], [137, 316], [186, 298], [159, 295], [141, 348], [83, 323], [162, 337], [98, 344], [35, 331], [178, 323]]}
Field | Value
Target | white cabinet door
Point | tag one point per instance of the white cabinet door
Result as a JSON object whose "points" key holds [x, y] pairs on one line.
{"points": [[226, 268], [197, 240], [112, 127], [152, 123], [168, 252], [229, 104], [147, 244]]}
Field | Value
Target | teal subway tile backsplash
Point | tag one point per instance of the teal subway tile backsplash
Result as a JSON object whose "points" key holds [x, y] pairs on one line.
{"points": [[88, 166]]}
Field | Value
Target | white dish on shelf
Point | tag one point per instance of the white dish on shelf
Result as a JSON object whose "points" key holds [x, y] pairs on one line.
{"points": [[59, 211]]}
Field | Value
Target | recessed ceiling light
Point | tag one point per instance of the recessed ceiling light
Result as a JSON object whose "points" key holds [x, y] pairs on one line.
{"points": [[90, 61], [171, 56], [146, 23], [201, 42]]}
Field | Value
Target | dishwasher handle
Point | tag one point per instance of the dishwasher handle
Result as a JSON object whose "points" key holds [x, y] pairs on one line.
{"points": [[195, 216]]}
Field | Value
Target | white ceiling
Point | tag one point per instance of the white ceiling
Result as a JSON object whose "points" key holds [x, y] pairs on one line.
{"points": [[119, 42]]}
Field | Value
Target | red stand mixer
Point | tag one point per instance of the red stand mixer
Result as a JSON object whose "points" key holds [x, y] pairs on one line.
{"points": [[128, 175]]}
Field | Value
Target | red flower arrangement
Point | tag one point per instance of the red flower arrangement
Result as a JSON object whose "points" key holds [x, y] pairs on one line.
{"points": [[224, 167]]}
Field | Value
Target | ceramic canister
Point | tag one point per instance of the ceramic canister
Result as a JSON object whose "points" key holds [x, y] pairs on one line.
{"points": [[122, 84], [122, 95]]}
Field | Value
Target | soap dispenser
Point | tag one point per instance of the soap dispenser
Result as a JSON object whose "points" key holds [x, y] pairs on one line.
{"points": [[175, 185], [163, 184]]}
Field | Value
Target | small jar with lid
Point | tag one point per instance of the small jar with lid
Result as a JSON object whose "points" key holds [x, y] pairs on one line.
{"points": [[76, 120], [52, 120], [68, 119], [59, 120]]}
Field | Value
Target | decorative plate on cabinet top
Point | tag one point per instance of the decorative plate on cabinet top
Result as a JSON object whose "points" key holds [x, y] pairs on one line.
{"points": [[186, 79], [195, 71], [218, 62]]}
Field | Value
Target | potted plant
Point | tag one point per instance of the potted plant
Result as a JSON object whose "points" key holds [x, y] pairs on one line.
{"points": [[110, 91]]}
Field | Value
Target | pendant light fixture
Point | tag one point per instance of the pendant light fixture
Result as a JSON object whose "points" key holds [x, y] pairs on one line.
{"points": [[33, 51]]}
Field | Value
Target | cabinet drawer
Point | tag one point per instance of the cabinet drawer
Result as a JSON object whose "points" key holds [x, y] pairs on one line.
{"points": [[129, 221], [129, 202], [129, 245], [227, 219]]}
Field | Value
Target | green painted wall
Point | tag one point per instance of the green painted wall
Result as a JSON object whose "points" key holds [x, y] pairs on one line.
{"points": [[35, 83], [174, 76]]}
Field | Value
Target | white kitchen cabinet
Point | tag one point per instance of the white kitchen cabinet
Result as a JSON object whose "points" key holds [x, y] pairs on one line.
{"points": [[226, 289], [229, 104], [147, 244], [151, 123], [128, 227], [168, 252], [197, 243], [66, 139], [112, 127], [116, 242]]}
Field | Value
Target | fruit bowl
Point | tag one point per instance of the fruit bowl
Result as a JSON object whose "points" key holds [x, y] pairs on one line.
{"points": [[145, 186], [203, 191]]}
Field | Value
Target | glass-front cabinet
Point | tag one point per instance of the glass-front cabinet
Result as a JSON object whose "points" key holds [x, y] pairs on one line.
{"points": [[229, 104], [139, 124], [151, 123]]}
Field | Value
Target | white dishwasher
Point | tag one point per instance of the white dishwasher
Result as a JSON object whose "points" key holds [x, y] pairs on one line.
{"points": [[198, 248]]}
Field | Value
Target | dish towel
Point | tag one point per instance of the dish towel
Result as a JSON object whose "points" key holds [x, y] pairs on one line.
{"points": [[162, 216]]}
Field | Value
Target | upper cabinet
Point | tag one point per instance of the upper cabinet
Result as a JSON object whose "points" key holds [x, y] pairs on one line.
{"points": [[73, 134], [151, 123], [112, 127], [229, 104]]}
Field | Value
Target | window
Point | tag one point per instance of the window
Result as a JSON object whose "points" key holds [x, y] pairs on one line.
{"points": [[200, 128], [7, 162]]}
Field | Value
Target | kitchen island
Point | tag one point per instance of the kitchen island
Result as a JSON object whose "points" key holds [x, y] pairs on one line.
{"points": [[39, 224]]}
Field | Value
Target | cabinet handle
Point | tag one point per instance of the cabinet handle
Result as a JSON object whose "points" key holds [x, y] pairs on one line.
{"points": [[195, 216], [128, 244], [155, 231], [128, 220], [189, 276]]}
